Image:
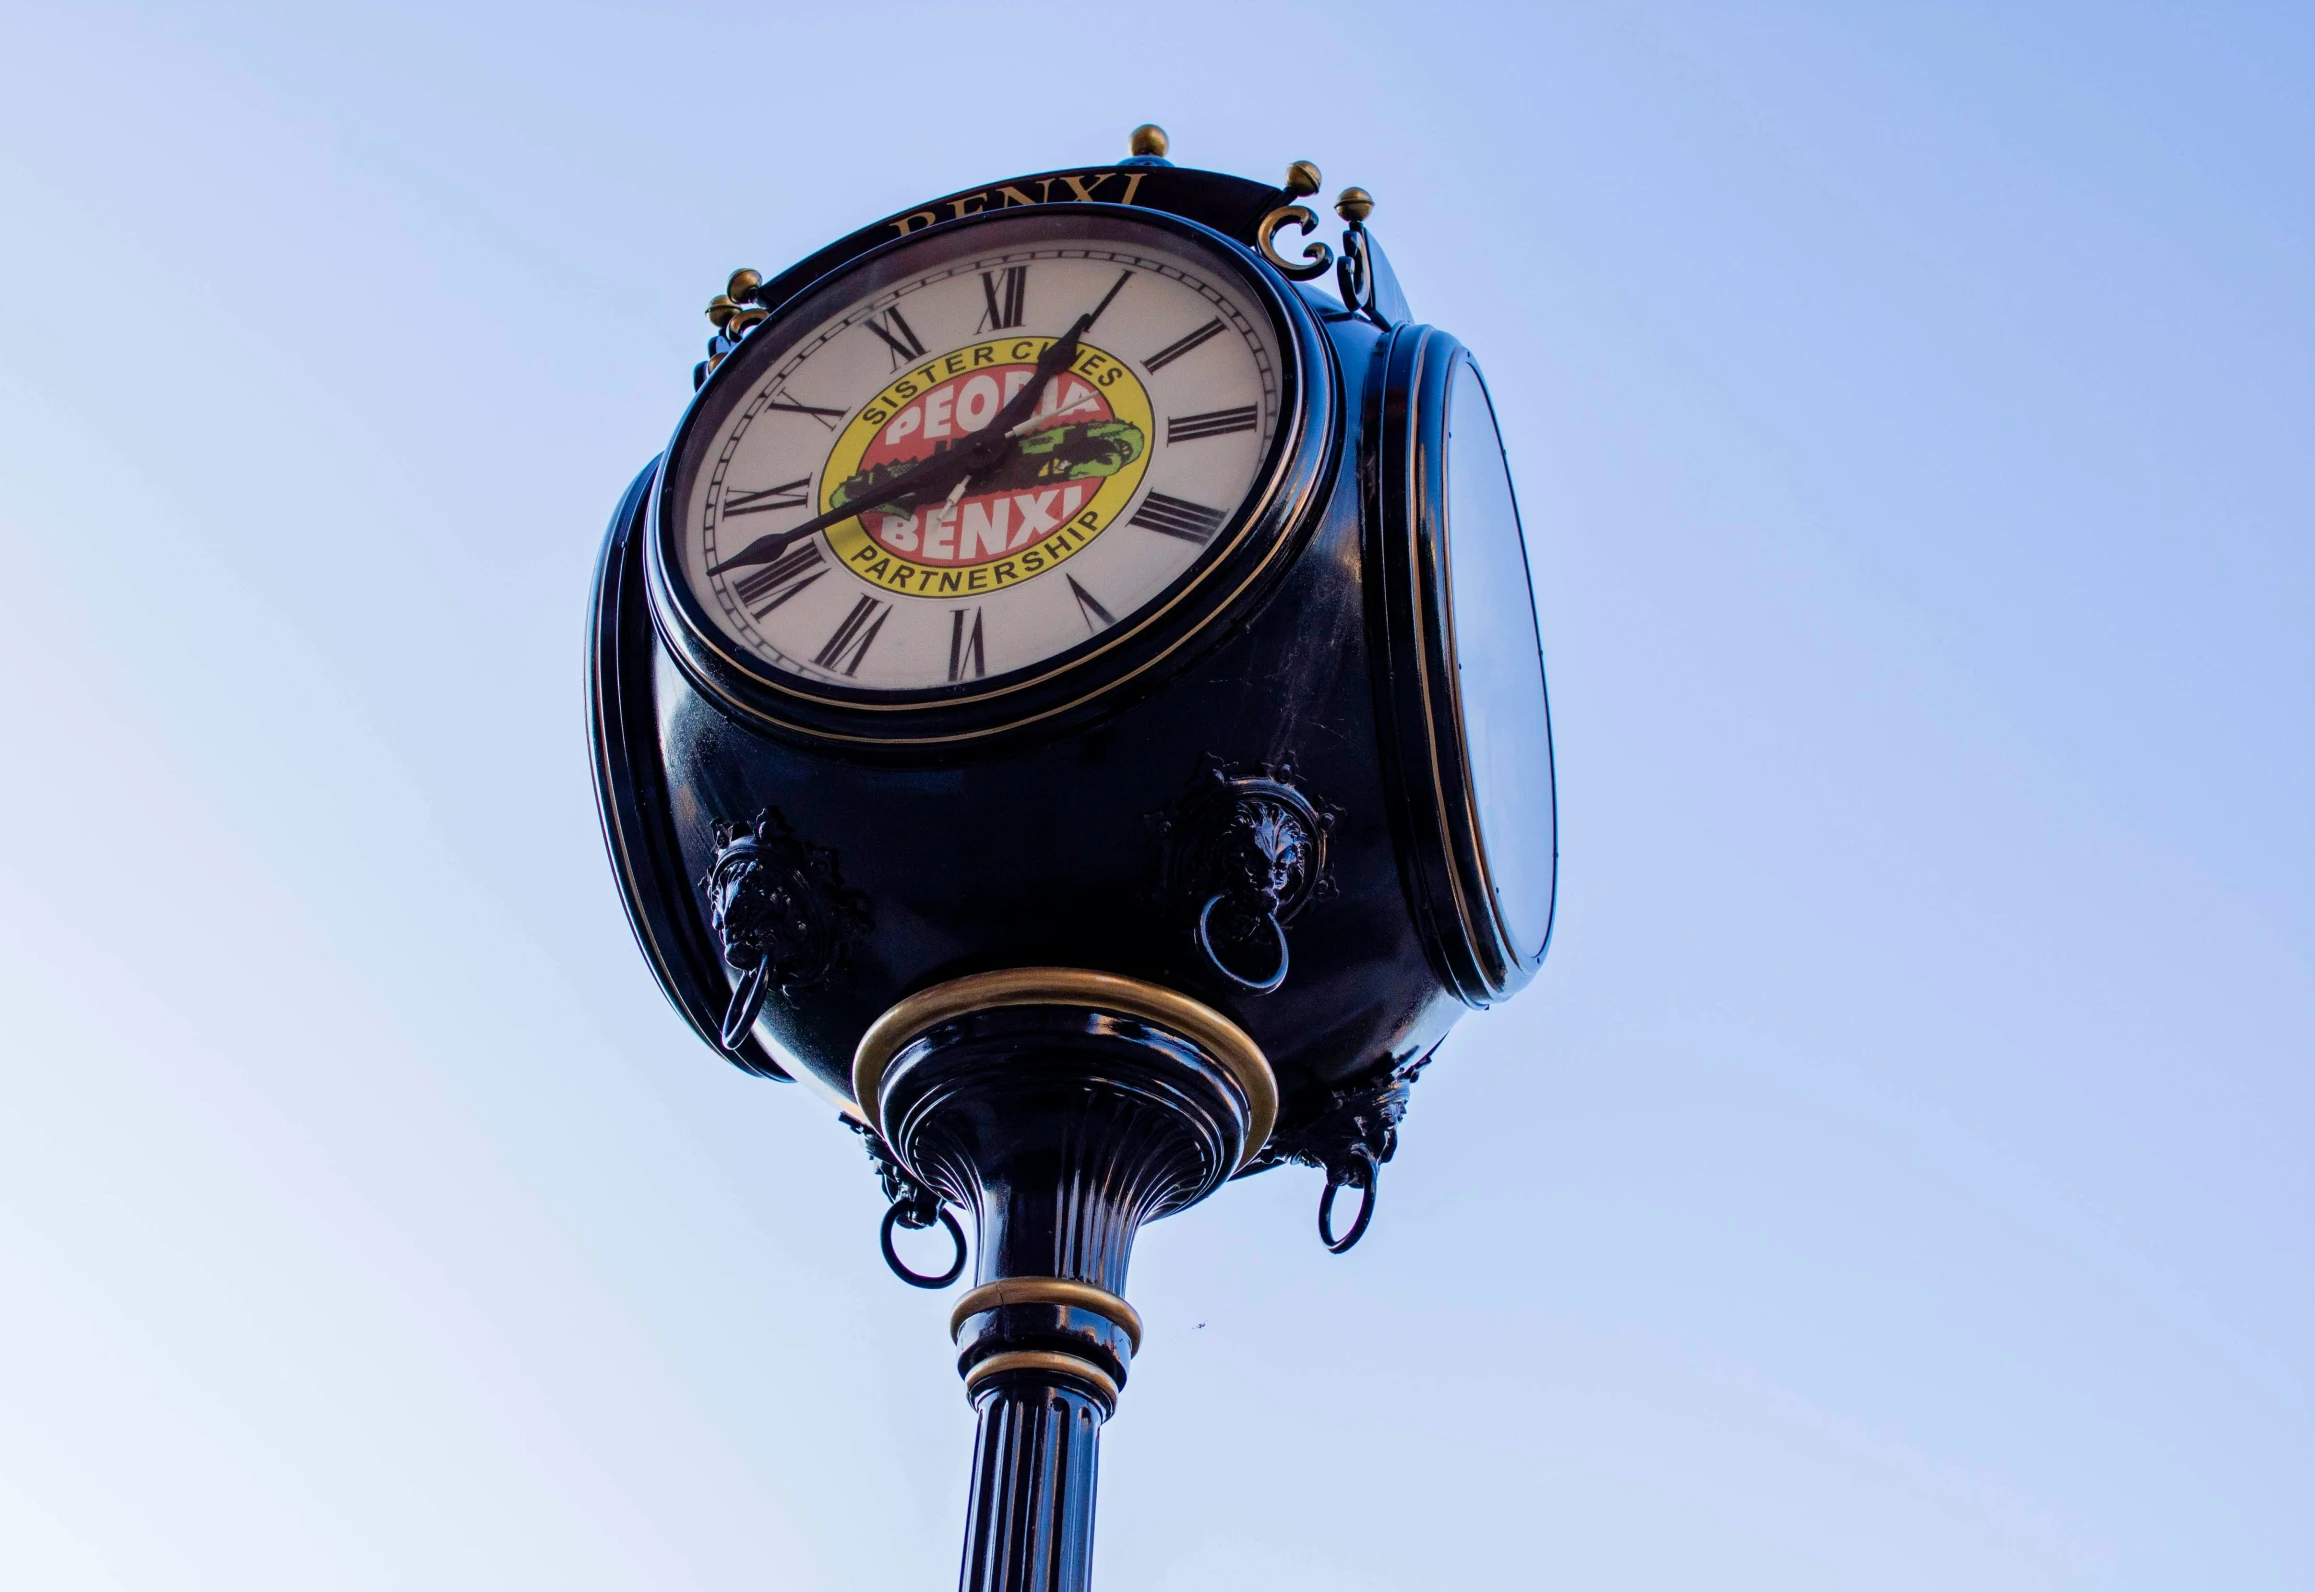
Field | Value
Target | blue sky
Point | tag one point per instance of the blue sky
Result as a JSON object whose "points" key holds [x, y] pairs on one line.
{"points": [[1898, 1178]]}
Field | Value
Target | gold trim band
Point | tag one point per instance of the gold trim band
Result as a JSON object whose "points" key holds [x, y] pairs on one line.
{"points": [[1046, 1360], [1222, 1040], [1047, 1291]]}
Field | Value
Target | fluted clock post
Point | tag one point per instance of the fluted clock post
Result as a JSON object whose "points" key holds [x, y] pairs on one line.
{"points": [[1063, 1109]]}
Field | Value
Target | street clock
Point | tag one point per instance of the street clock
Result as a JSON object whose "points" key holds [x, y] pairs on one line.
{"points": [[1069, 694]]}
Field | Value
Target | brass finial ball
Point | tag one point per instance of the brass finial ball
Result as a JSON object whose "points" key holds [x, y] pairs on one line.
{"points": [[1147, 139], [1302, 178], [1354, 205]]}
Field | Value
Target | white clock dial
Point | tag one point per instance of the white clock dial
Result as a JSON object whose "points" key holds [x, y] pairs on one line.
{"points": [[1135, 459]]}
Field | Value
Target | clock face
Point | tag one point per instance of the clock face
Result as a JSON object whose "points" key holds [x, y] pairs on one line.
{"points": [[907, 485], [1462, 670], [1498, 670]]}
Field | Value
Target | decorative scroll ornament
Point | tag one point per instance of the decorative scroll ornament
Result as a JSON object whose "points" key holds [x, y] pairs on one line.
{"points": [[1354, 274], [913, 1206], [782, 913], [1302, 180], [1245, 852], [1349, 1138]]}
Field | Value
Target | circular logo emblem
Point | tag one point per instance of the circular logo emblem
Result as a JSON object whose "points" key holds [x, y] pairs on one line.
{"points": [[1075, 467]]}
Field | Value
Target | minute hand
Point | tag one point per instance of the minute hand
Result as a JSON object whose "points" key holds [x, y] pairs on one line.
{"points": [[1023, 404], [987, 448]]}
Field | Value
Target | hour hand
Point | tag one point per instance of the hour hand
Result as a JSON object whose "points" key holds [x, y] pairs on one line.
{"points": [[935, 475], [763, 549]]}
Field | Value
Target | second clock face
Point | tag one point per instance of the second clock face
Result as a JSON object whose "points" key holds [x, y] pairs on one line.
{"points": [[1135, 457]]}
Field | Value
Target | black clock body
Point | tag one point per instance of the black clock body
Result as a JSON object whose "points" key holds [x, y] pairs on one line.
{"points": [[1087, 821]]}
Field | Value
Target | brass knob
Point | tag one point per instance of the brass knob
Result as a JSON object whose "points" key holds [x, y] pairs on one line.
{"points": [[1354, 205], [1302, 178], [1147, 139], [720, 310]]}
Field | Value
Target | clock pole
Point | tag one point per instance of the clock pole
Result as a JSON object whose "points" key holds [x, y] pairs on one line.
{"points": [[1063, 1109]]}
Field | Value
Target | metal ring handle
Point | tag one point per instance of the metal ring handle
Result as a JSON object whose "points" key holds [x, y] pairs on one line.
{"points": [[917, 1279], [1206, 944], [1366, 1206], [747, 1001]]}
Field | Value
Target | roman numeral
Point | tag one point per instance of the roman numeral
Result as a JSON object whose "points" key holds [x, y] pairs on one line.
{"points": [[1213, 423], [826, 417], [1170, 516], [1096, 617], [1004, 292], [854, 635], [907, 348], [787, 495], [1175, 350], [965, 647], [774, 583]]}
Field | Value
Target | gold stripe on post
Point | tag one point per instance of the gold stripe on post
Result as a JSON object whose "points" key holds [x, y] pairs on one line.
{"points": [[1047, 1291], [1048, 1361]]}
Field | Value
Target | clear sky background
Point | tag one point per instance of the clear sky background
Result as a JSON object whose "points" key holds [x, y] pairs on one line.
{"points": [[1900, 1175]]}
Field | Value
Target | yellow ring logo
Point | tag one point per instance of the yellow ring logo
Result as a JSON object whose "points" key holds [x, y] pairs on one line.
{"points": [[1071, 472]]}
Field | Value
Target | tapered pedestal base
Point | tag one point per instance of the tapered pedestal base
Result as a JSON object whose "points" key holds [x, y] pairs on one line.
{"points": [[1063, 1109]]}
